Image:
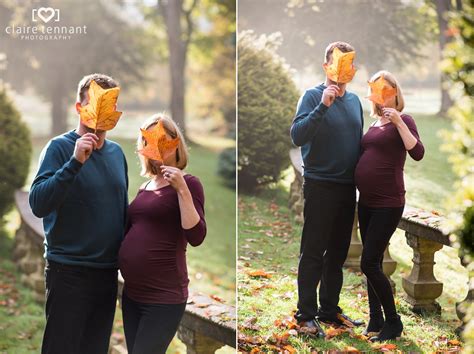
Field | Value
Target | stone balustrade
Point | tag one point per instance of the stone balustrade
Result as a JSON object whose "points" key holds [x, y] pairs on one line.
{"points": [[207, 324], [424, 234]]}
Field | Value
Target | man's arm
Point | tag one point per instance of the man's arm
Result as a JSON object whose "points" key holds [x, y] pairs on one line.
{"points": [[309, 115], [56, 174], [53, 180]]}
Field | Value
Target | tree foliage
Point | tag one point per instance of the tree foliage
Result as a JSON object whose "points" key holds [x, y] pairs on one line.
{"points": [[458, 65], [15, 150], [267, 99], [382, 32], [112, 44]]}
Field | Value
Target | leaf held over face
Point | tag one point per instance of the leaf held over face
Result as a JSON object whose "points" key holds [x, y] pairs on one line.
{"points": [[341, 70], [381, 91], [100, 113], [157, 145]]}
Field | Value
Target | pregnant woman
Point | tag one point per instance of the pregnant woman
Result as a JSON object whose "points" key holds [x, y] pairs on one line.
{"points": [[166, 215], [379, 179]]}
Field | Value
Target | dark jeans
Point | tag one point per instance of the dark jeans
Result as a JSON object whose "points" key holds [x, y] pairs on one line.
{"points": [[80, 309], [149, 328], [328, 219], [377, 226]]}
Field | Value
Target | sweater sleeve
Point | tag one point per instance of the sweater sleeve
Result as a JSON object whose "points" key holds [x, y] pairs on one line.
{"points": [[418, 151], [53, 180], [309, 114], [196, 234]]}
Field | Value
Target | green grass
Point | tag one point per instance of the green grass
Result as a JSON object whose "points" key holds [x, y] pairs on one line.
{"points": [[21, 317], [269, 240]]}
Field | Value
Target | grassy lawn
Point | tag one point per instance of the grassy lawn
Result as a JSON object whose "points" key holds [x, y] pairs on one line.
{"points": [[269, 242], [268, 256], [211, 265]]}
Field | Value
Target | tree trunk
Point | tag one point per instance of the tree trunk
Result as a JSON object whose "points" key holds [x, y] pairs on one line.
{"points": [[58, 109], [177, 46], [442, 8]]}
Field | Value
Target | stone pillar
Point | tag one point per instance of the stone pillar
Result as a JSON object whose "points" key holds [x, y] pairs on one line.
{"points": [[389, 267], [463, 306], [355, 249], [197, 343], [421, 286], [296, 201]]}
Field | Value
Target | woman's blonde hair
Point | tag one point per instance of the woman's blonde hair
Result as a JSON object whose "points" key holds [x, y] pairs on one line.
{"points": [[148, 168], [375, 109]]}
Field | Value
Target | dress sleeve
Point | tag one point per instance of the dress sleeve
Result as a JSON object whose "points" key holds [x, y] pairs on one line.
{"points": [[196, 234], [418, 151]]}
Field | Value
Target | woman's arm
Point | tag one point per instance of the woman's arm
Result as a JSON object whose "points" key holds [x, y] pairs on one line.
{"points": [[408, 133], [191, 204]]}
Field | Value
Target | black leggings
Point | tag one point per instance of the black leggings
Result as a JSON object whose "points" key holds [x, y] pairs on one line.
{"points": [[377, 226], [150, 328]]}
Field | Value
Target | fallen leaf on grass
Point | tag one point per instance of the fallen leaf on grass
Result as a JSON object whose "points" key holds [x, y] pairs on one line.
{"points": [[287, 322], [385, 347], [259, 273], [334, 332], [289, 349], [454, 342], [350, 349], [251, 324]]}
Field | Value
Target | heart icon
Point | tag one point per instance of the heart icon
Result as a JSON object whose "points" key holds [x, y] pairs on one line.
{"points": [[46, 14]]}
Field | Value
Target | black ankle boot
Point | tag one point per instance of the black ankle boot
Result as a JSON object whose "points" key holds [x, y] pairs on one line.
{"points": [[375, 325], [391, 329]]}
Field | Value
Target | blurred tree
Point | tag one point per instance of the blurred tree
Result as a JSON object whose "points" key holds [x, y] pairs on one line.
{"points": [[442, 9], [267, 97], [382, 32], [459, 65], [204, 30], [112, 45], [15, 150], [214, 50], [179, 28]]}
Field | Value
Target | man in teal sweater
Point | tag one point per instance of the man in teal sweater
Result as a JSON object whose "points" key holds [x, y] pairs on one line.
{"points": [[80, 191], [328, 127]]}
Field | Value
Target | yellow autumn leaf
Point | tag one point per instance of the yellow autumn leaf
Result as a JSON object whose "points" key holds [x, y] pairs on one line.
{"points": [[341, 69], [157, 145], [381, 91], [100, 113]]}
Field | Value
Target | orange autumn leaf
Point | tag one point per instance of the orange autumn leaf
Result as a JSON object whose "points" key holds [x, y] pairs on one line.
{"points": [[100, 113], [385, 347], [341, 70], [350, 349], [288, 348], [157, 145], [334, 332], [454, 342], [259, 273], [381, 91]]}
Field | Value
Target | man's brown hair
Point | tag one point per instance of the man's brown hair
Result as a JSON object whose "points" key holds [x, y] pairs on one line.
{"points": [[102, 80], [343, 47]]}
